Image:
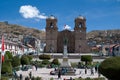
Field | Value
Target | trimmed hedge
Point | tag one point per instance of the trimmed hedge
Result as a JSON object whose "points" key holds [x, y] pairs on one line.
{"points": [[86, 58], [24, 60], [110, 68], [45, 62], [16, 61], [56, 61], [44, 56], [30, 57]]}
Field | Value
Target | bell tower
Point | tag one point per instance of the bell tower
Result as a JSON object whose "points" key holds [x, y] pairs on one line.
{"points": [[51, 34], [80, 34]]}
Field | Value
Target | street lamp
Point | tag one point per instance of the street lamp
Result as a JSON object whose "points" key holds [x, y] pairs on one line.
{"points": [[51, 50], [108, 41], [80, 51]]}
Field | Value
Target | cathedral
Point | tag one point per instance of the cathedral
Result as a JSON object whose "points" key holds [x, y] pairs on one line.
{"points": [[76, 39]]}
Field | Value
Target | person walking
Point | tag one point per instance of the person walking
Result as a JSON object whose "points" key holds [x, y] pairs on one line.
{"points": [[86, 70], [30, 75], [59, 74], [92, 72], [21, 76], [36, 67]]}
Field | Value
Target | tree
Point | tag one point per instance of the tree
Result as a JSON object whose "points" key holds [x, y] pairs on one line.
{"points": [[16, 61], [6, 57], [110, 68], [30, 57], [86, 58], [6, 67], [9, 54], [24, 60]]}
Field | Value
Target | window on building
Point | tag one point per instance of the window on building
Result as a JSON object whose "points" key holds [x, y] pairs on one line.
{"points": [[51, 25], [80, 25]]}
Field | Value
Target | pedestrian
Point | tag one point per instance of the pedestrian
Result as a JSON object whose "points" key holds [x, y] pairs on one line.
{"points": [[55, 69], [36, 67], [85, 70], [92, 72], [20, 76], [59, 74], [30, 75], [99, 74], [80, 72], [96, 69], [71, 78]]}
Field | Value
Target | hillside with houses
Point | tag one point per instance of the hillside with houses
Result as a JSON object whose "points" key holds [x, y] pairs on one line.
{"points": [[19, 39]]}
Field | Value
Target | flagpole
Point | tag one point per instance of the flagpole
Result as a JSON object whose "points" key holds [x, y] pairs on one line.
{"points": [[0, 64], [1, 60], [2, 55]]}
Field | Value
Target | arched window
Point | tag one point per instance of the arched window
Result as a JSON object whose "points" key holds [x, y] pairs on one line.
{"points": [[51, 25], [80, 25]]}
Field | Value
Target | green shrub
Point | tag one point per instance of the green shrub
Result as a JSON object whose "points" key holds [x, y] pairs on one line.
{"points": [[44, 56], [24, 60], [30, 57], [74, 65], [33, 78], [86, 58], [4, 78], [9, 54], [6, 67], [41, 65], [56, 61], [38, 78], [110, 68], [52, 78], [16, 61], [6, 57], [45, 62]]}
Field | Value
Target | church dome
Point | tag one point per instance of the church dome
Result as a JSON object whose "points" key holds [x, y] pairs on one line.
{"points": [[81, 17], [52, 17]]}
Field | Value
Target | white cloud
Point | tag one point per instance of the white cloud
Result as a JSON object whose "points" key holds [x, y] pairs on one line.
{"points": [[67, 27], [29, 11]]}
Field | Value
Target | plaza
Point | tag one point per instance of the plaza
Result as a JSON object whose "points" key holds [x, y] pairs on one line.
{"points": [[44, 73]]}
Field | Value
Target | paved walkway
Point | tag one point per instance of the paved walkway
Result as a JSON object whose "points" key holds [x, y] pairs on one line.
{"points": [[45, 74]]}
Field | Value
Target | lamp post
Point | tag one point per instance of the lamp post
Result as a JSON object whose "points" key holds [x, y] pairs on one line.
{"points": [[80, 51], [51, 50], [108, 41]]}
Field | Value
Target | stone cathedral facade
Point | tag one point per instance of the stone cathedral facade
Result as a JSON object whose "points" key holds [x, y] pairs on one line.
{"points": [[76, 39]]}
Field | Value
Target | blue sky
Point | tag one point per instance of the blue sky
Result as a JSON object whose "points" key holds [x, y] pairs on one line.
{"points": [[100, 14]]}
